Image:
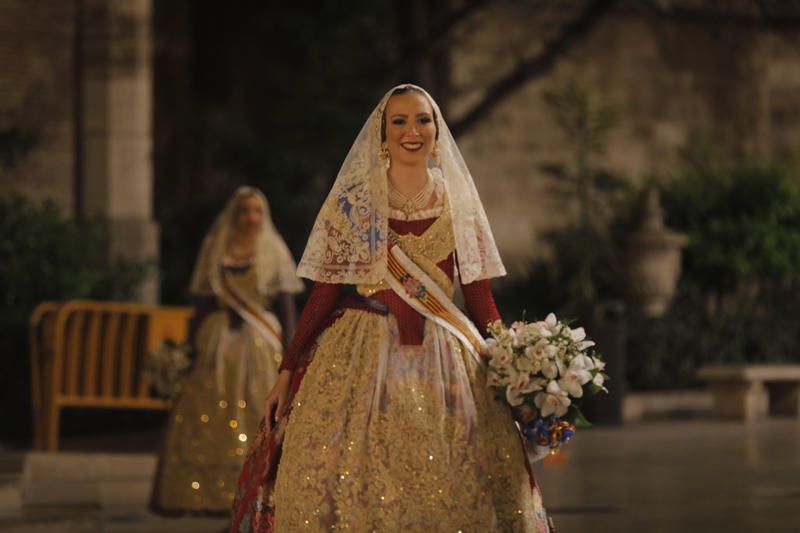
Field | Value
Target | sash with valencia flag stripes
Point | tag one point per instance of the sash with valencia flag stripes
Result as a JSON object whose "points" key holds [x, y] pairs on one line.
{"points": [[255, 315], [419, 291]]}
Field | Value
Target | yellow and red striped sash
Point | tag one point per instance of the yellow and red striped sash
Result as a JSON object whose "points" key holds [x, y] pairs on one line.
{"points": [[419, 291], [255, 315]]}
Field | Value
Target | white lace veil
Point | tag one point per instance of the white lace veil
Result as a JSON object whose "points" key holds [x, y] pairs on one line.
{"points": [[275, 268], [348, 241]]}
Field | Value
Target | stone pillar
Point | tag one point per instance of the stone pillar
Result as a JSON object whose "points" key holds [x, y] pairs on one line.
{"points": [[745, 400], [117, 123]]}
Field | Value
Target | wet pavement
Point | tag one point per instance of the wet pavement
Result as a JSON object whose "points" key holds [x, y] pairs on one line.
{"points": [[698, 475], [688, 476]]}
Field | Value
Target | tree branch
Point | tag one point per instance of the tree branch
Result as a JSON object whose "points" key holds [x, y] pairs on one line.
{"points": [[767, 19], [762, 8], [591, 16], [420, 49]]}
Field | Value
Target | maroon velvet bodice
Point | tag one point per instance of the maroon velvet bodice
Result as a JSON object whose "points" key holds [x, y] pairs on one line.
{"points": [[325, 299]]}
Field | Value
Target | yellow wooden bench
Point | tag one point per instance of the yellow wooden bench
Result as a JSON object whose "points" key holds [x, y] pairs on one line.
{"points": [[91, 354]]}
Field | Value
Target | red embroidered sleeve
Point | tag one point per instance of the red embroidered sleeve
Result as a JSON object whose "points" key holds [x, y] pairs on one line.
{"points": [[321, 303], [480, 303], [287, 315]]}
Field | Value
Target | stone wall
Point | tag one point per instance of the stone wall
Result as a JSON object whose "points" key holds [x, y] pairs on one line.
{"points": [[37, 44], [669, 80], [79, 75]]}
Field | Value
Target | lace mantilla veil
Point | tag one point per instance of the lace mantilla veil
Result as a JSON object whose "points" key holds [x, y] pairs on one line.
{"points": [[274, 265], [348, 243]]}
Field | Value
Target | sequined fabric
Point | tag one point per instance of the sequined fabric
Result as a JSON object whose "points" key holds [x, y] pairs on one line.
{"points": [[384, 435], [390, 437], [215, 416], [322, 301]]}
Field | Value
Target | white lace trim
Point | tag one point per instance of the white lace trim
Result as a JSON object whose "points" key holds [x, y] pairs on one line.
{"points": [[273, 263], [348, 242]]}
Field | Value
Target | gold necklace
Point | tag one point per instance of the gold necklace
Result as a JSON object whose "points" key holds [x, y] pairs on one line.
{"points": [[408, 205]]}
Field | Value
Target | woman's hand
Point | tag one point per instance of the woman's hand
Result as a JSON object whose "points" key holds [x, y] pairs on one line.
{"points": [[276, 399]]}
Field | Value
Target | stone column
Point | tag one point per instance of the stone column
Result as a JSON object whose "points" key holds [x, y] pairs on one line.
{"points": [[117, 121], [745, 400]]}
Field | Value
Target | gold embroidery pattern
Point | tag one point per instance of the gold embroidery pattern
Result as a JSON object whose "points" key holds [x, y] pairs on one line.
{"points": [[210, 426], [435, 244], [369, 290], [432, 247], [426, 250], [382, 442]]}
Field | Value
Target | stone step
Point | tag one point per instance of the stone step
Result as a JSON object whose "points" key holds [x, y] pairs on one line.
{"points": [[70, 521], [678, 403], [10, 501], [87, 479]]}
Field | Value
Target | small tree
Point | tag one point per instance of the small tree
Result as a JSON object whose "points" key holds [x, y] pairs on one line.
{"points": [[738, 296], [743, 223], [48, 257], [45, 257], [15, 143], [586, 122]]}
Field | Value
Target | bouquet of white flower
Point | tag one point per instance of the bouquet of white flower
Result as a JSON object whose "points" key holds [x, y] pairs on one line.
{"points": [[167, 367], [543, 370]]}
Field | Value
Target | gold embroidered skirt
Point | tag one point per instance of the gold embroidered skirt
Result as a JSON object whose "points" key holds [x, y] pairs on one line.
{"points": [[213, 418], [385, 437]]}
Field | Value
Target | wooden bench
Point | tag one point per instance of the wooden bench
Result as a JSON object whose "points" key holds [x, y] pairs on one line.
{"points": [[751, 392], [91, 354]]}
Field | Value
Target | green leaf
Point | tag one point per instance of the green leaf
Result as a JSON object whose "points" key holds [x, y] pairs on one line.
{"points": [[590, 389], [575, 417]]}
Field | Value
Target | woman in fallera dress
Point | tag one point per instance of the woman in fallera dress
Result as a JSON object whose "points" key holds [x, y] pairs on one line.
{"points": [[383, 420], [243, 271]]}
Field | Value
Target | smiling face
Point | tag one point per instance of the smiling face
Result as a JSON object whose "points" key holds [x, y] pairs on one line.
{"points": [[249, 216], [410, 129]]}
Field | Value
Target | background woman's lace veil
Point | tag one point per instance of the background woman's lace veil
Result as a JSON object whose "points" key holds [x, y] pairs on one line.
{"points": [[272, 260]]}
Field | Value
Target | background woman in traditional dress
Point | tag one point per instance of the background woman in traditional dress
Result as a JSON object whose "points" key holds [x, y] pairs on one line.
{"points": [[243, 271], [384, 419]]}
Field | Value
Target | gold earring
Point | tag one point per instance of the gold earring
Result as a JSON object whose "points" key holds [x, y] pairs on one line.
{"points": [[383, 154], [435, 155]]}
